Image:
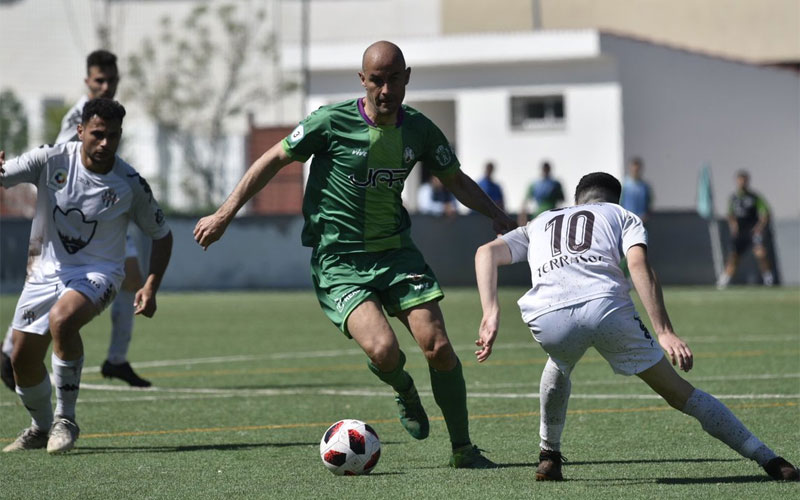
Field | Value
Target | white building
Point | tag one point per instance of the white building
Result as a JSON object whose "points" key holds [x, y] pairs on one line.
{"points": [[594, 99], [588, 100]]}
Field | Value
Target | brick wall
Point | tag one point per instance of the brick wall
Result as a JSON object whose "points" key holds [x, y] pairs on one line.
{"points": [[284, 193]]}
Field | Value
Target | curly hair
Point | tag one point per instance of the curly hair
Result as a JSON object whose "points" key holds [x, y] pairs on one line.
{"points": [[107, 109]]}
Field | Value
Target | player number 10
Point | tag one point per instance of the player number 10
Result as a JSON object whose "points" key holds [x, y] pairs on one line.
{"points": [[582, 217]]}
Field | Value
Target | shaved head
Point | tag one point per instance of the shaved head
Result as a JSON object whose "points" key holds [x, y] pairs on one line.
{"points": [[384, 76], [382, 54]]}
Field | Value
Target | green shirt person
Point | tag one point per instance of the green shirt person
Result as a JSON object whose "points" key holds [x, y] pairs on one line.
{"points": [[364, 262], [748, 222]]}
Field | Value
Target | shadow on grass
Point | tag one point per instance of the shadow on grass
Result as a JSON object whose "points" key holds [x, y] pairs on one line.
{"points": [[571, 463], [713, 480], [91, 450]]}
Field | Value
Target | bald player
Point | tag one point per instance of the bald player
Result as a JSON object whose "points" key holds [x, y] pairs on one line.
{"points": [[364, 264]]}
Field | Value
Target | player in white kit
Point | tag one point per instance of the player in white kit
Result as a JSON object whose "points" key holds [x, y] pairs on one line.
{"points": [[101, 80], [579, 298], [86, 196]]}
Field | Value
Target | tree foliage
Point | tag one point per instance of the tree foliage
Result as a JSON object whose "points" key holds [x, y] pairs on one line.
{"points": [[197, 75], [13, 124]]}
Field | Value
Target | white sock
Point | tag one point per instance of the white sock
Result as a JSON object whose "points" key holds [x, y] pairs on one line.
{"points": [[721, 423], [723, 280], [67, 375], [554, 390], [37, 401], [121, 326], [768, 278], [8, 342]]}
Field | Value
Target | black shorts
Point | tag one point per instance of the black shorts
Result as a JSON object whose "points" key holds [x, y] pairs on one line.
{"points": [[745, 240]]}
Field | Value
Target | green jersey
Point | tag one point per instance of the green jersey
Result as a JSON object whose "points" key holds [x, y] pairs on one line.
{"points": [[352, 200]]}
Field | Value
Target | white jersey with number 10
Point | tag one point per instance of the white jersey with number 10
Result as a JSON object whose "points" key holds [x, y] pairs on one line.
{"points": [[574, 255]]}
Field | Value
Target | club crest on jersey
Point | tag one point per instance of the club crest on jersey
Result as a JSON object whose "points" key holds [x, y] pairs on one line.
{"points": [[408, 155], [58, 179], [443, 154], [297, 134], [73, 229], [109, 197], [389, 176]]}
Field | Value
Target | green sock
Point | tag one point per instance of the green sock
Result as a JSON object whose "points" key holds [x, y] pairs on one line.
{"points": [[398, 378], [450, 393]]}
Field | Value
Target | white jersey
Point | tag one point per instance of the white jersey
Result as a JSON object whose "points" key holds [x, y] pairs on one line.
{"points": [[70, 122], [574, 255], [81, 216]]}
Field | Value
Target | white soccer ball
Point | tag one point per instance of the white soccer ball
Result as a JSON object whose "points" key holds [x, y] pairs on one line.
{"points": [[350, 448]]}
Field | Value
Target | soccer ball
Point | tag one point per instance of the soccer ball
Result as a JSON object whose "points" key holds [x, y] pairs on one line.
{"points": [[350, 448]]}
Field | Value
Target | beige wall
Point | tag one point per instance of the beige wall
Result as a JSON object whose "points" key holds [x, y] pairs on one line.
{"points": [[755, 30]]}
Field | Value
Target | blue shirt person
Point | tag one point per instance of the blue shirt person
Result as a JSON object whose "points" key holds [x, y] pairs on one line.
{"points": [[636, 193], [491, 188]]}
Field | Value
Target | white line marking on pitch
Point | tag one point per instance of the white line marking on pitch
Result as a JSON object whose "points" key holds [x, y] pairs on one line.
{"points": [[178, 393], [357, 352]]}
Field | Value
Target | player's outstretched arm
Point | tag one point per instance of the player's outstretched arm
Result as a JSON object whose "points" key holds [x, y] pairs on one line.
{"points": [[470, 194], [145, 300], [649, 290], [209, 229], [487, 259]]}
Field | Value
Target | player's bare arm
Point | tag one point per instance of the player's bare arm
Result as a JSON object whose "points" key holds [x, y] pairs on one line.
{"points": [[487, 259], [649, 290], [470, 194], [211, 228], [145, 299]]}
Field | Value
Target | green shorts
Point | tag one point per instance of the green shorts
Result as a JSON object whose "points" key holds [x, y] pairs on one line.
{"points": [[399, 279]]}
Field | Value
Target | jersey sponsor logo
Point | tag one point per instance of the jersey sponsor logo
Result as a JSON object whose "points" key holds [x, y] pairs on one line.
{"points": [[73, 229], [58, 179], [297, 134], [359, 152], [443, 154], [388, 176], [408, 155]]}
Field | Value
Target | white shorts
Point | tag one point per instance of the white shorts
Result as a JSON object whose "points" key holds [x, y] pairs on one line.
{"points": [[32, 314], [609, 325]]}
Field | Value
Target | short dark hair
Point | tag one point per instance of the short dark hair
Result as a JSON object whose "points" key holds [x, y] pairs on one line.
{"points": [[598, 185], [101, 58], [107, 109]]}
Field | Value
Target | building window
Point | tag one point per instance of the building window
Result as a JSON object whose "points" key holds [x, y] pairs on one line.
{"points": [[537, 112]]}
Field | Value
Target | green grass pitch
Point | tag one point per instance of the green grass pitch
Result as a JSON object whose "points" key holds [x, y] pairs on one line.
{"points": [[246, 383]]}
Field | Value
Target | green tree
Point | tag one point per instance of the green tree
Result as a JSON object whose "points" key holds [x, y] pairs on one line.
{"points": [[194, 79], [13, 124], [53, 114]]}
